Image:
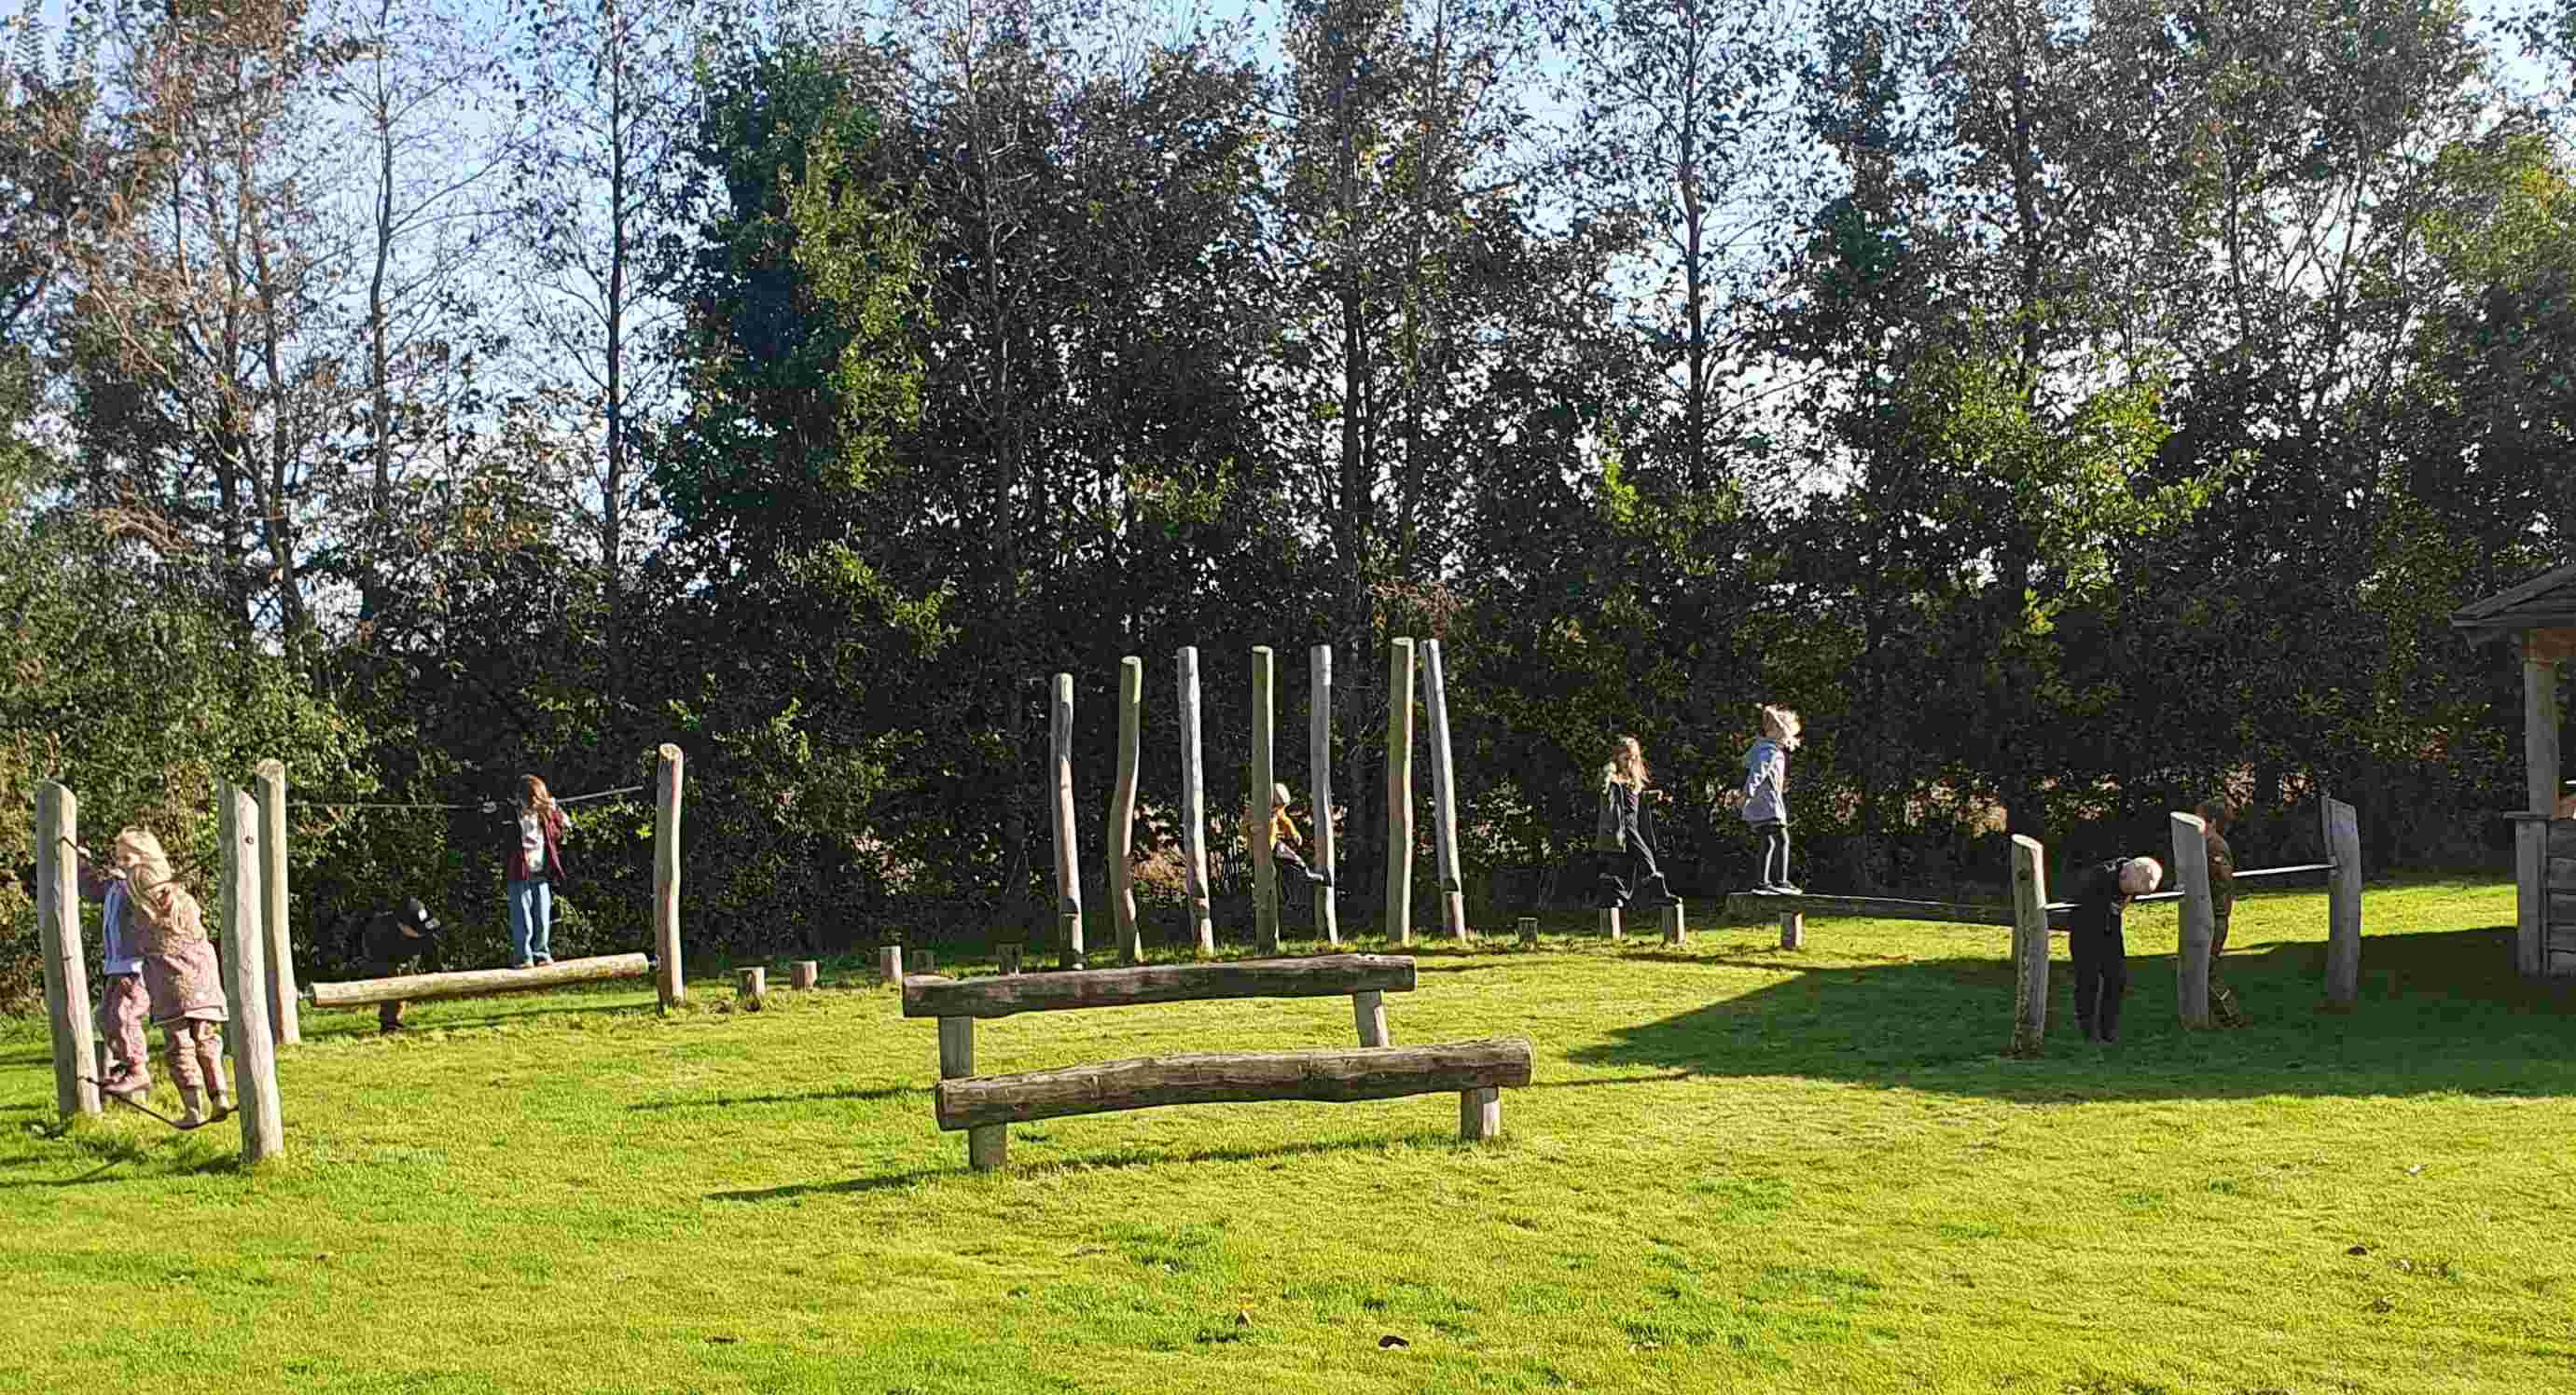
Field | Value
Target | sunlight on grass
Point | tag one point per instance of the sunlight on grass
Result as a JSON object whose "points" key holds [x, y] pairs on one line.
{"points": [[1738, 1168]]}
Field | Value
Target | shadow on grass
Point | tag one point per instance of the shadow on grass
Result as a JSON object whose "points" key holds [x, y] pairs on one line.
{"points": [[1609, 1080], [419, 1025], [883, 1092], [2437, 1012], [1115, 1158]]}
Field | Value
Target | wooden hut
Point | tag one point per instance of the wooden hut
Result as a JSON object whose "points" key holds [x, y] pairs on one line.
{"points": [[2541, 615]]}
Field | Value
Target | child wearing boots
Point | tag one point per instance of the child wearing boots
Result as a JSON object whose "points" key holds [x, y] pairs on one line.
{"points": [[1283, 840], [1624, 790], [180, 975], [123, 1007], [1766, 801], [2216, 816]]}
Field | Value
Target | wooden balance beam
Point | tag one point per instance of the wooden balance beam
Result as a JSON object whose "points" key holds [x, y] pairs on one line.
{"points": [[475, 983], [1748, 905], [1321, 976], [1338, 1076]]}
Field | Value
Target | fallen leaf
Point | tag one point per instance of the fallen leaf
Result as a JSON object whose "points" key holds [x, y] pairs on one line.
{"points": [[1391, 1340]]}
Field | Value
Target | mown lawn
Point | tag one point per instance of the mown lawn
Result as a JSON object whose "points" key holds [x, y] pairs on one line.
{"points": [[1738, 1169]]}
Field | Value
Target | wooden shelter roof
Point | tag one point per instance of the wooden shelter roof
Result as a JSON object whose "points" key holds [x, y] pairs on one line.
{"points": [[2545, 602]]}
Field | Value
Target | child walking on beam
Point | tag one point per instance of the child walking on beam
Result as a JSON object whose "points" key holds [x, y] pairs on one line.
{"points": [[1766, 799]]}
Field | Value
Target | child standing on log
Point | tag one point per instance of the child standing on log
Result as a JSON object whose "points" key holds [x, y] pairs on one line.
{"points": [[1624, 790], [180, 974], [2216, 815], [1766, 800], [535, 861], [123, 1006]]}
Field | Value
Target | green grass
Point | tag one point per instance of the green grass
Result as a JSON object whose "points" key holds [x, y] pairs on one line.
{"points": [[1738, 1169]]}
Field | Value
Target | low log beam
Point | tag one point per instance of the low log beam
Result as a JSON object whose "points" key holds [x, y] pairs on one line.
{"points": [[1333, 1076], [1319, 976], [478, 983], [1747, 905]]}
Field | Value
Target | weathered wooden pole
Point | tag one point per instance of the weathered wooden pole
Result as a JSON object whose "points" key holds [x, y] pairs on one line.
{"points": [[2198, 918], [476, 983], [285, 1021], [1793, 930], [667, 784], [1444, 797], [1256, 808], [1480, 1114], [1068, 858], [804, 973], [2531, 834], [1529, 931], [1676, 925], [2030, 945], [988, 1146], [2343, 905], [58, 935], [890, 963], [245, 955], [1194, 864], [1399, 793], [1319, 752], [1611, 927], [1122, 810], [1368, 1013]]}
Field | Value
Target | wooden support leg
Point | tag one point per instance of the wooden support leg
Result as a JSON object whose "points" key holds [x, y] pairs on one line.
{"points": [[1793, 931], [751, 987], [1369, 1011], [890, 964], [988, 1146], [804, 973], [1610, 923], [1529, 932], [1480, 1114], [1676, 927]]}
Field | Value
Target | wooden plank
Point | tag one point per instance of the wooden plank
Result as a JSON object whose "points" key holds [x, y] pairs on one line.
{"points": [[58, 934], [1480, 1114], [1368, 1014], [1068, 856], [2562, 912], [2343, 905], [245, 956], [1444, 796], [478, 983], [2198, 917], [2561, 938], [1122, 810], [1319, 787], [2562, 874], [1256, 806], [2030, 945], [2507, 599], [1332, 1076], [1316, 976], [1398, 924], [1194, 863], [667, 787], [1747, 905], [2561, 837], [2563, 965], [2540, 733], [285, 1022]]}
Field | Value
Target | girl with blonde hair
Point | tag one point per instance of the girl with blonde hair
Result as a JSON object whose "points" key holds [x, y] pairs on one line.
{"points": [[535, 861], [181, 975], [1625, 784], [1766, 802]]}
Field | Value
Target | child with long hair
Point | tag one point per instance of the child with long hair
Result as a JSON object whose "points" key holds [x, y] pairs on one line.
{"points": [[1766, 802], [181, 975], [535, 861], [1625, 785], [123, 1006]]}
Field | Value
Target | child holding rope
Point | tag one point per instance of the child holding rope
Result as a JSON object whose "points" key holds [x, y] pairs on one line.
{"points": [[1766, 803], [123, 1006], [180, 974], [536, 859]]}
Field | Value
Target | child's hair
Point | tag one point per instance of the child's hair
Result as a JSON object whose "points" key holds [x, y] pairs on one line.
{"points": [[2217, 813], [533, 796], [1279, 796], [150, 865], [154, 890], [1627, 763], [1780, 724], [2148, 868]]}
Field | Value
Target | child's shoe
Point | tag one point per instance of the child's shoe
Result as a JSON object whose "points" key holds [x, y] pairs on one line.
{"points": [[193, 1111]]}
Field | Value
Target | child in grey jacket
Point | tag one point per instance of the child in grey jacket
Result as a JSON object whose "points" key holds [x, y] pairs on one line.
{"points": [[1766, 806]]}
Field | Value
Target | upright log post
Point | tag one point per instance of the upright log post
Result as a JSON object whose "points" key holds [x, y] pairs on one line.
{"points": [[1068, 859], [667, 786], [2030, 945], [1256, 810], [1676, 925], [988, 1146], [2531, 836], [245, 956], [1122, 810], [1480, 1114], [890, 963], [285, 1019], [804, 973], [1319, 794], [1194, 864], [1529, 931], [1793, 930], [2343, 905], [1611, 929], [2191, 957], [58, 934], [1444, 797], [1368, 1012], [751, 987], [1399, 793]]}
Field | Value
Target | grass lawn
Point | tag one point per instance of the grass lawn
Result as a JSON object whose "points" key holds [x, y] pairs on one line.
{"points": [[1738, 1169]]}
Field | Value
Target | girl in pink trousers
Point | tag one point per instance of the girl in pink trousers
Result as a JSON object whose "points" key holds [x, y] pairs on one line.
{"points": [[180, 973]]}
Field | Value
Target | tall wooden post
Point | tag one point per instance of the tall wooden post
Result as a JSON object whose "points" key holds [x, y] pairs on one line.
{"points": [[2191, 953], [2541, 776], [2343, 904], [1256, 808], [1068, 859], [1399, 793], [667, 778], [2030, 945], [1122, 810], [1194, 807], [245, 956], [2539, 725], [285, 1020], [58, 936], [1319, 794], [1444, 797]]}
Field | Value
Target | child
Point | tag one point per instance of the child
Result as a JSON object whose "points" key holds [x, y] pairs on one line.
{"points": [[536, 859], [180, 973], [2093, 939], [1624, 784], [1283, 840], [123, 1006], [1766, 807], [2215, 816]]}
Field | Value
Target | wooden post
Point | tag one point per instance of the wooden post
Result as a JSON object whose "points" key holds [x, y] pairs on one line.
{"points": [[245, 954], [2531, 888], [751, 987], [1319, 787], [1194, 865], [1068, 858], [988, 1146], [2191, 953], [2030, 945], [1529, 932], [667, 786], [1009, 954], [1676, 927], [1480, 1114], [1368, 1010], [890, 964], [2343, 904], [285, 1021], [1793, 930], [2539, 726], [1399, 793], [804, 973], [921, 961], [1122, 810], [58, 934], [1610, 926], [1256, 809], [1444, 797]]}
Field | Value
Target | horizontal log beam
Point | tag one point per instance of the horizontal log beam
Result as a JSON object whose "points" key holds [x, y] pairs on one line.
{"points": [[1746, 905], [1336, 1076], [477, 983], [1321, 976]]}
